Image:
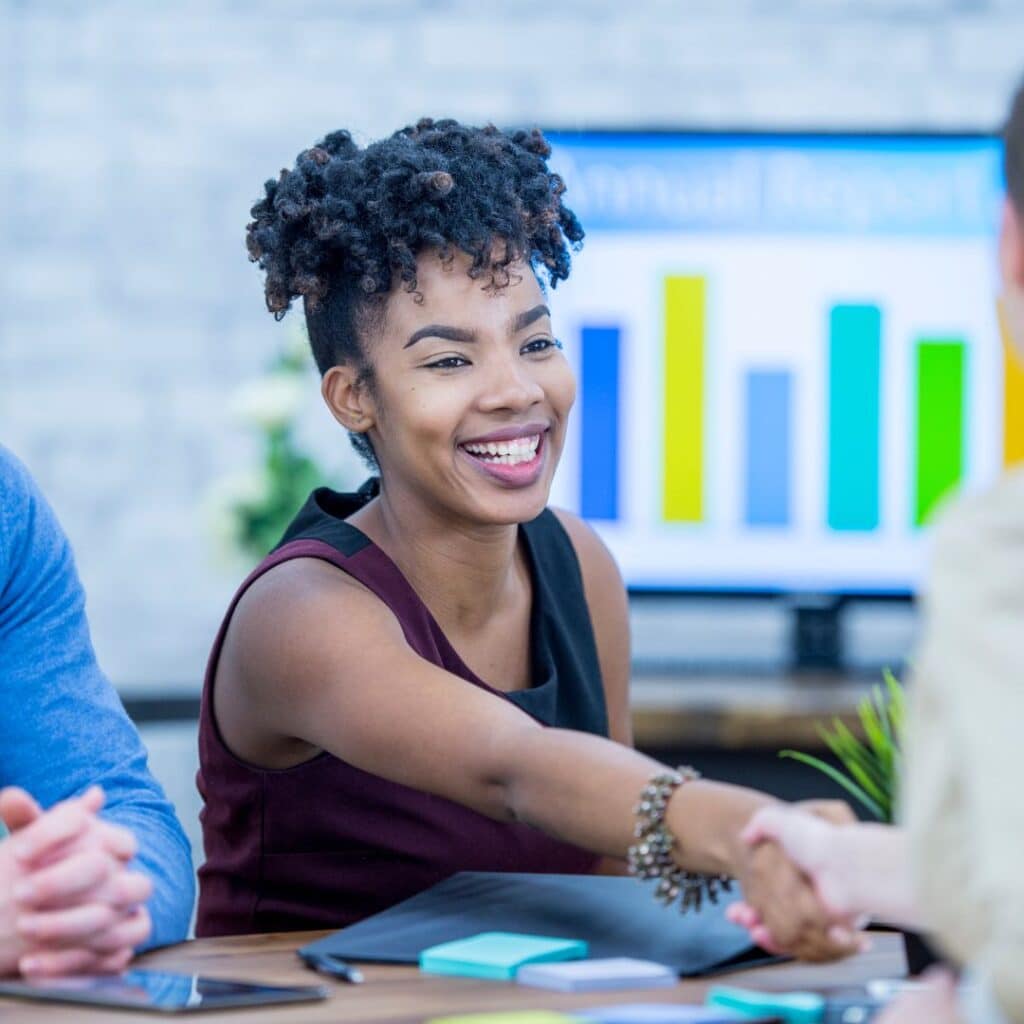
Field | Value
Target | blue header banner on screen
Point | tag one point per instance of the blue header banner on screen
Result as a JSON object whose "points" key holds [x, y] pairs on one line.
{"points": [[816, 184]]}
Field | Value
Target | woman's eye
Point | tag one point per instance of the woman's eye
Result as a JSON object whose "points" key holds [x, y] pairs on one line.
{"points": [[541, 345], [448, 363]]}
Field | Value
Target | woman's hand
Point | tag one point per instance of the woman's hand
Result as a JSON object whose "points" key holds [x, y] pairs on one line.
{"points": [[777, 917], [856, 870], [816, 847], [784, 913], [935, 1002], [68, 902], [807, 842]]}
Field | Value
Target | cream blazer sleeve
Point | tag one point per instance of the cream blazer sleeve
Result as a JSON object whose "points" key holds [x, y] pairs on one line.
{"points": [[963, 795]]}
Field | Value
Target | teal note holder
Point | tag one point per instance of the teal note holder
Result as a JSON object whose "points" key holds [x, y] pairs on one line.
{"points": [[498, 955]]}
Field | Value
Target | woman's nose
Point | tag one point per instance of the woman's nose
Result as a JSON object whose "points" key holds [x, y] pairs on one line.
{"points": [[510, 385]]}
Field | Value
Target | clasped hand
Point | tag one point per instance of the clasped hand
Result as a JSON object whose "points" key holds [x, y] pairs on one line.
{"points": [[785, 909], [68, 900]]}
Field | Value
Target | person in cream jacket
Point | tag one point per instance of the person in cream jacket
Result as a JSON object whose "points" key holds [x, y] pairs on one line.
{"points": [[956, 867], [963, 797]]}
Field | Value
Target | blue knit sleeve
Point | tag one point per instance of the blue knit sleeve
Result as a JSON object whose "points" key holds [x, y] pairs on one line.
{"points": [[63, 727]]}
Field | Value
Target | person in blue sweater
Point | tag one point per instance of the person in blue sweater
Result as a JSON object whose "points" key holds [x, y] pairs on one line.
{"points": [[106, 870]]}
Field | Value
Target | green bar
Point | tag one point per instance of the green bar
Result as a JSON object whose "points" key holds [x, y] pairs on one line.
{"points": [[685, 304], [941, 366]]}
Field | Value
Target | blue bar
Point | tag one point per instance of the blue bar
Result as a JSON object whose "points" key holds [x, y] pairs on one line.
{"points": [[854, 417], [769, 403], [599, 423]]}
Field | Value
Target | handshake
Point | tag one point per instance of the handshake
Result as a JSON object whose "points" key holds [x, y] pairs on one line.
{"points": [[812, 876]]}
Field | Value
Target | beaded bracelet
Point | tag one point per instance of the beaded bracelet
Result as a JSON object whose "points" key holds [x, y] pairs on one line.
{"points": [[651, 856]]}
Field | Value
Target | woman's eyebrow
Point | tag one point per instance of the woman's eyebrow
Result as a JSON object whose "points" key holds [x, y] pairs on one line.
{"points": [[440, 331], [523, 320], [519, 323]]}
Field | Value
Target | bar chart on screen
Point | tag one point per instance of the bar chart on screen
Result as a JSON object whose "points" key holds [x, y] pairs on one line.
{"points": [[769, 403]]}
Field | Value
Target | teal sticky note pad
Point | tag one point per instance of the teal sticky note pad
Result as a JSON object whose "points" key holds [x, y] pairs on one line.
{"points": [[792, 1007], [498, 955]]}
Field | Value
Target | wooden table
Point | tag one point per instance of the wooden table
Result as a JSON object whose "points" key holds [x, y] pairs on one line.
{"points": [[401, 995]]}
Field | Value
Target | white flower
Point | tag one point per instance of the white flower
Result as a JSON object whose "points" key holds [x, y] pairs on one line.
{"points": [[220, 506], [269, 402]]}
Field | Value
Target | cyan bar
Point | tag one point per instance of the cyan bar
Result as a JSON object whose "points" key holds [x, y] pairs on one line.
{"points": [[854, 416], [769, 404], [599, 422]]}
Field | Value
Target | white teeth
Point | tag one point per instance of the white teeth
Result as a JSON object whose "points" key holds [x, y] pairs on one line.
{"points": [[507, 453]]}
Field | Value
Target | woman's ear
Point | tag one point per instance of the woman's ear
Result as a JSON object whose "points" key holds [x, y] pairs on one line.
{"points": [[348, 398]]}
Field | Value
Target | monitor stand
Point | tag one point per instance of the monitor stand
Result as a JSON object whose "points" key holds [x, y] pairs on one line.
{"points": [[817, 640]]}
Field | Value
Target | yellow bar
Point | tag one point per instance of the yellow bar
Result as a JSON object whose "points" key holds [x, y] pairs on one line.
{"points": [[685, 305], [1013, 400]]}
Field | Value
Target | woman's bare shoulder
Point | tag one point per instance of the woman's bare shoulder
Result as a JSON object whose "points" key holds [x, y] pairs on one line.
{"points": [[295, 621], [596, 562], [296, 633]]}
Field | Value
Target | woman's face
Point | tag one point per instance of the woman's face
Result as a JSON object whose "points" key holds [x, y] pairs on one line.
{"points": [[472, 393]]}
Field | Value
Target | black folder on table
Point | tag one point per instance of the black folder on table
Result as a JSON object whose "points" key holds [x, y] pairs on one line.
{"points": [[617, 916]]}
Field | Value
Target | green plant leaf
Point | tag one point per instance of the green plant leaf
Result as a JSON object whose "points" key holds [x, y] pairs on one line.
{"points": [[836, 776], [871, 765], [878, 744], [868, 785], [850, 750], [839, 745], [884, 717], [871, 721], [858, 762], [897, 705]]}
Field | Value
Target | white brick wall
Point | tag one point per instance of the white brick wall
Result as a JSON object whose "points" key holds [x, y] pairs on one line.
{"points": [[133, 138]]}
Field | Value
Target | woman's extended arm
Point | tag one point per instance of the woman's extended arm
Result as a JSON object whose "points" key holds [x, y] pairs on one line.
{"points": [[354, 687]]}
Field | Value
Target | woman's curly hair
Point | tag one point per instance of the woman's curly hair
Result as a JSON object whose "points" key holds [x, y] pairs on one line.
{"points": [[345, 225]]}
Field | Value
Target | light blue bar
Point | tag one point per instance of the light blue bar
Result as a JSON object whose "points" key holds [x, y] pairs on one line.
{"points": [[599, 423], [854, 417], [768, 403]]}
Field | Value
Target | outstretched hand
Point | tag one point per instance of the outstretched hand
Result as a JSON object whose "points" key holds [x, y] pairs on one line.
{"points": [[857, 869], [68, 901], [786, 909]]}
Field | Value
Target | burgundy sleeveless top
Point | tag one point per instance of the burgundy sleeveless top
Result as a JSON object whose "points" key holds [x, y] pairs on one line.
{"points": [[323, 844]]}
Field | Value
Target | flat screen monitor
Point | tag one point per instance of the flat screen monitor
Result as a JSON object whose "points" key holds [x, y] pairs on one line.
{"points": [[788, 353]]}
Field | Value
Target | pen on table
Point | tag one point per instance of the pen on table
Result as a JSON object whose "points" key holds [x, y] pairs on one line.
{"points": [[328, 963]]}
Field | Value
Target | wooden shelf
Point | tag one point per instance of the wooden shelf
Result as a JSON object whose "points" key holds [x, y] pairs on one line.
{"points": [[741, 712]]}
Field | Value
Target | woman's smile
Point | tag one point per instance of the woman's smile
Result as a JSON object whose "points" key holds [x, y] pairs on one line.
{"points": [[513, 456]]}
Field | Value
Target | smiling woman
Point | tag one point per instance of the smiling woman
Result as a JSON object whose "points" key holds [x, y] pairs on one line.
{"points": [[431, 675], [465, 397]]}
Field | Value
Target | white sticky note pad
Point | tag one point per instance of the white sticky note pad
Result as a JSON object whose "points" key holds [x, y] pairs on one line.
{"points": [[597, 975]]}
